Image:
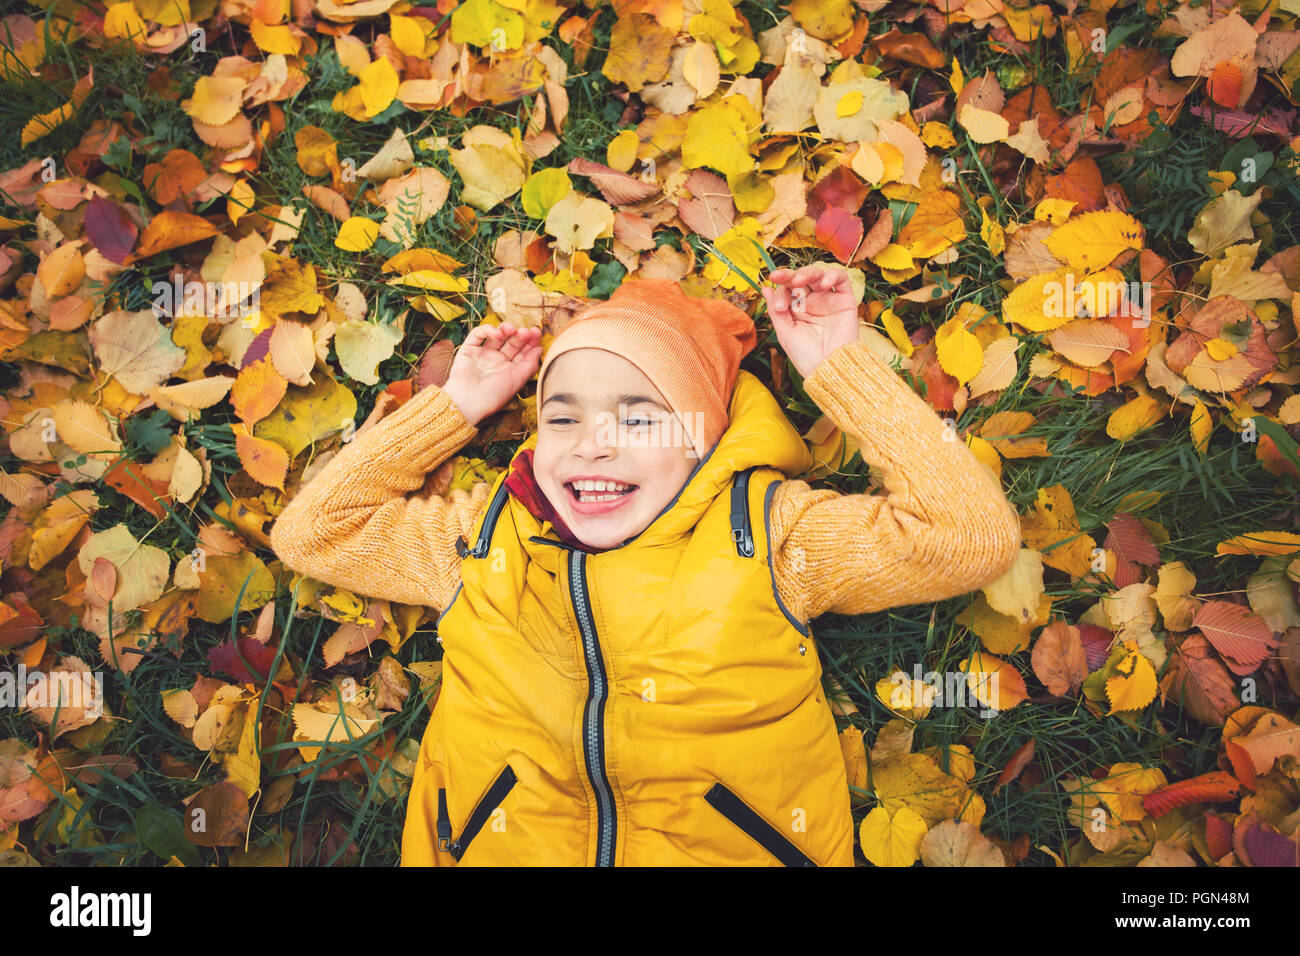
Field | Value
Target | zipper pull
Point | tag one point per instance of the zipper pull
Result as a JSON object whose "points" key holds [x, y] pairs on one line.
{"points": [[444, 823]]}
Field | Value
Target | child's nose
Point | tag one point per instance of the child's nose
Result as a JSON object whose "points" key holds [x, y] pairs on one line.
{"points": [[595, 438]]}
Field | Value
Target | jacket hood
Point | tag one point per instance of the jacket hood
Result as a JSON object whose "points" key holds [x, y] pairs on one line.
{"points": [[758, 433]]}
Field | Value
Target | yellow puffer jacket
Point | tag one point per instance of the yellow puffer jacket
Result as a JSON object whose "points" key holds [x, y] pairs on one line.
{"points": [[652, 704]]}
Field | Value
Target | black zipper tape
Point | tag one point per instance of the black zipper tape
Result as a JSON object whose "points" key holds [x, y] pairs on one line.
{"points": [[501, 786], [767, 836], [593, 733], [485, 530], [741, 532]]}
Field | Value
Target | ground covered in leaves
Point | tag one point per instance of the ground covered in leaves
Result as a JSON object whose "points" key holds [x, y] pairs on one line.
{"points": [[236, 232]]}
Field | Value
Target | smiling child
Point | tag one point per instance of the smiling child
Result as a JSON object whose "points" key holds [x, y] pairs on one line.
{"points": [[629, 676]]}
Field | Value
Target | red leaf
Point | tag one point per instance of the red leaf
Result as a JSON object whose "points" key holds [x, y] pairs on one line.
{"points": [[1096, 644], [840, 188], [1238, 633], [839, 232], [226, 659], [110, 229], [1213, 787], [1019, 760], [1224, 85], [1218, 836], [1243, 766]]}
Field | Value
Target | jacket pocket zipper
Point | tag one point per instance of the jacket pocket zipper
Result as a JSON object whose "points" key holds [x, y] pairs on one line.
{"points": [[501, 786], [766, 835]]}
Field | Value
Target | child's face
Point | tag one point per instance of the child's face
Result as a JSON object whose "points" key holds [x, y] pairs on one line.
{"points": [[601, 418]]}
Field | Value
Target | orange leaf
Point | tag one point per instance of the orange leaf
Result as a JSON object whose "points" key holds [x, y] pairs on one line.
{"points": [[1213, 787], [170, 229], [175, 178], [265, 461], [257, 390]]}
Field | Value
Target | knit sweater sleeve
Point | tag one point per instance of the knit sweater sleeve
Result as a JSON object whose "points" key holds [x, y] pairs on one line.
{"points": [[356, 524], [942, 528]]}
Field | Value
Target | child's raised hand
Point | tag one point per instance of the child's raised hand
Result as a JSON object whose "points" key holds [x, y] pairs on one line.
{"points": [[490, 368], [813, 311]]}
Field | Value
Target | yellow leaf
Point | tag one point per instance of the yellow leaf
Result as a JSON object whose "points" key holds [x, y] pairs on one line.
{"points": [[432, 280], [1054, 210], [491, 165], [992, 234], [276, 38], [1261, 543], [362, 345], [378, 85], [141, 568], [892, 840], [716, 136], [544, 188], [217, 99], [239, 200], [1017, 591], [1201, 426], [1134, 416], [243, 767], [701, 70], [1220, 350], [984, 126], [893, 256], [849, 103], [735, 244], [408, 33], [897, 334], [906, 696], [1092, 240], [960, 353], [578, 221], [938, 135], [122, 22], [357, 234], [1134, 683], [620, 154]]}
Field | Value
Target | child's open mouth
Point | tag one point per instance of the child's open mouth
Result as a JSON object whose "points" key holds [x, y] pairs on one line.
{"points": [[598, 497]]}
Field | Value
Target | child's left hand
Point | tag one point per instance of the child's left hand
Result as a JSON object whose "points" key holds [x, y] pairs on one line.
{"points": [[814, 312]]}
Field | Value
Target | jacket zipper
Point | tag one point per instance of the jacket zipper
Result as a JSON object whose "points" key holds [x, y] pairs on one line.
{"points": [[741, 532], [501, 786], [594, 714], [767, 836], [486, 528]]}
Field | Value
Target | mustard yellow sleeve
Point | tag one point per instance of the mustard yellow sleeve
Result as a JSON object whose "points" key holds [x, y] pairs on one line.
{"points": [[942, 528], [356, 524]]}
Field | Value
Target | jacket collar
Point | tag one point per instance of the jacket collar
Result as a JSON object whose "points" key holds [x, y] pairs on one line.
{"points": [[759, 433]]}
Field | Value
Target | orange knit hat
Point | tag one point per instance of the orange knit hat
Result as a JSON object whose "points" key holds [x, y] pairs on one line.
{"points": [[690, 348]]}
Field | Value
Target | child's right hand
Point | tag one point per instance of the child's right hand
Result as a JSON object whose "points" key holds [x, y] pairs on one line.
{"points": [[490, 368]]}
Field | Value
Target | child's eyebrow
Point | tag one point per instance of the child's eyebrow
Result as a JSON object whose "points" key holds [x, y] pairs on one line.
{"points": [[569, 399]]}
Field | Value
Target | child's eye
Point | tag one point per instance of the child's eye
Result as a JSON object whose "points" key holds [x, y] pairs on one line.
{"points": [[639, 421], [557, 421]]}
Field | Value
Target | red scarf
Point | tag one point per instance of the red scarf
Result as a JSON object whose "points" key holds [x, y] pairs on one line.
{"points": [[522, 483]]}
